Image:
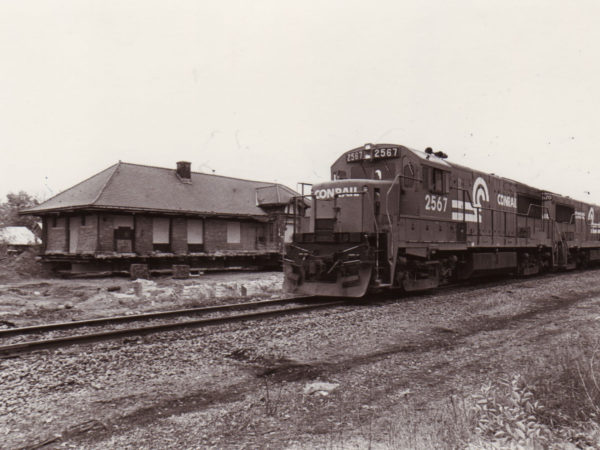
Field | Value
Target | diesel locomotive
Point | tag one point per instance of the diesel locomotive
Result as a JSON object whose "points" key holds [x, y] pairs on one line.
{"points": [[397, 218]]}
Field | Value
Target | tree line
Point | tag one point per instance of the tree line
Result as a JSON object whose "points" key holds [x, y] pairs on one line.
{"points": [[9, 211]]}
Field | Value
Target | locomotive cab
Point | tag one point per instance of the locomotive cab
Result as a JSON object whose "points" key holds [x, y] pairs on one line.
{"points": [[342, 248]]}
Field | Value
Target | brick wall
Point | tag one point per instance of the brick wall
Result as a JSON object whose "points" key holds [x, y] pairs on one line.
{"points": [[248, 241], [179, 235], [57, 236], [98, 235], [215, 234], [106, 233], [88, 235], [45, 223], [143, 235]]}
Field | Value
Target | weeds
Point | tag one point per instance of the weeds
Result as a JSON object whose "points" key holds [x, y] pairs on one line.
{"points": [[22, 266], [555, 402], [271, 403], [507, 414]]}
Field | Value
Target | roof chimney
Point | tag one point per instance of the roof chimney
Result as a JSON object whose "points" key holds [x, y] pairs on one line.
{"points": [[184, 171]]}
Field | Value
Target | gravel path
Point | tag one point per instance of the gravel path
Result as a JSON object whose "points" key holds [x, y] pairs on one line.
{"points": [[251, 385]]}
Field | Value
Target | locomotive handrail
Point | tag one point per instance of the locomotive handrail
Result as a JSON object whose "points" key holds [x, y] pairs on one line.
{"points": [[572, 220], [387, 211], [295, 203], [536, 206]]}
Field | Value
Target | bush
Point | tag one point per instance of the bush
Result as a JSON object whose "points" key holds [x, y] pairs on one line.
{"points": [[22, 266]]}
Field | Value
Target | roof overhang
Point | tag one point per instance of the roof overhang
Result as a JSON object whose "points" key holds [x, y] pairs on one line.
{"points": [[129, 210]]}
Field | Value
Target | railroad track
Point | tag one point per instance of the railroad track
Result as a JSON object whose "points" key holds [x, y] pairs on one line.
{"points": [[273, 308], [314, 302]]}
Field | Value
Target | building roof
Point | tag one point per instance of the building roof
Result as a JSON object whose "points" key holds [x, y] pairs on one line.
{"points": [[134, 187], [18, 236]]}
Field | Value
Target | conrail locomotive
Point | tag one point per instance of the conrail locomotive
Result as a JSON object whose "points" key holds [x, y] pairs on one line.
{"points": [[394, 217]]}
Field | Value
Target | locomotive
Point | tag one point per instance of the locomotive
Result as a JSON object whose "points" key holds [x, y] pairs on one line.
{"points": [[397, 218]]}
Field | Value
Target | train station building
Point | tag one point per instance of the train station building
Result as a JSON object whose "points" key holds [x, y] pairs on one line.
{"points": [[131, 213]]}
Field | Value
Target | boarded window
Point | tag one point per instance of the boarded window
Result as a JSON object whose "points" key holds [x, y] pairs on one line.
{"points": [[234, 235], [160, 230], [73, 233], [195, 231]]}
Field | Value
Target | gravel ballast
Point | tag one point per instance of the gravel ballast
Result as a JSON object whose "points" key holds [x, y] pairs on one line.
{"points": [[347, 376]]}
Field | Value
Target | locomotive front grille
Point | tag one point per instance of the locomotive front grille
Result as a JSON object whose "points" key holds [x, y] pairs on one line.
{"points": [[324, 225]]}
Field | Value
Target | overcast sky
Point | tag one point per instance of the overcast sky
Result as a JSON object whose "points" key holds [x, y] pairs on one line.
{"points": [[276, 90]]}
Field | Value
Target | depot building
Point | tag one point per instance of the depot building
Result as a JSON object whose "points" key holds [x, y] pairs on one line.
{"points": [[131, 213]]}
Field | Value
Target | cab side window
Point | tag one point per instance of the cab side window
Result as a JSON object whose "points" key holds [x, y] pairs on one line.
{"points": [[340, 175], [408, 172], [436, 180]]}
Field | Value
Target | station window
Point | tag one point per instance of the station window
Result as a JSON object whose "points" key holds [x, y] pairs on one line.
{"points": [[234, 233], [195, 231], [161, 234]]}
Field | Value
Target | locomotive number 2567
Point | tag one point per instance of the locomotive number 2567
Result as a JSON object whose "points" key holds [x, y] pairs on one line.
{"points": [[436, 203]]}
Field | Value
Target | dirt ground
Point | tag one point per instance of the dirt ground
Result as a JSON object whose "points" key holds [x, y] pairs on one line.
{"points": [[51, 299], [395, 374]]}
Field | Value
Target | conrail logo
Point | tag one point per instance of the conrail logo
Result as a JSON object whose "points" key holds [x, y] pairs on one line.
{"points": [[506, 200], [467, 211], [329, 193], [480, 192]]}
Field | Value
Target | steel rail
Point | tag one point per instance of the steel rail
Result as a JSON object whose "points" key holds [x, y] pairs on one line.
{"points": [[32, 329], [25, 347]]}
